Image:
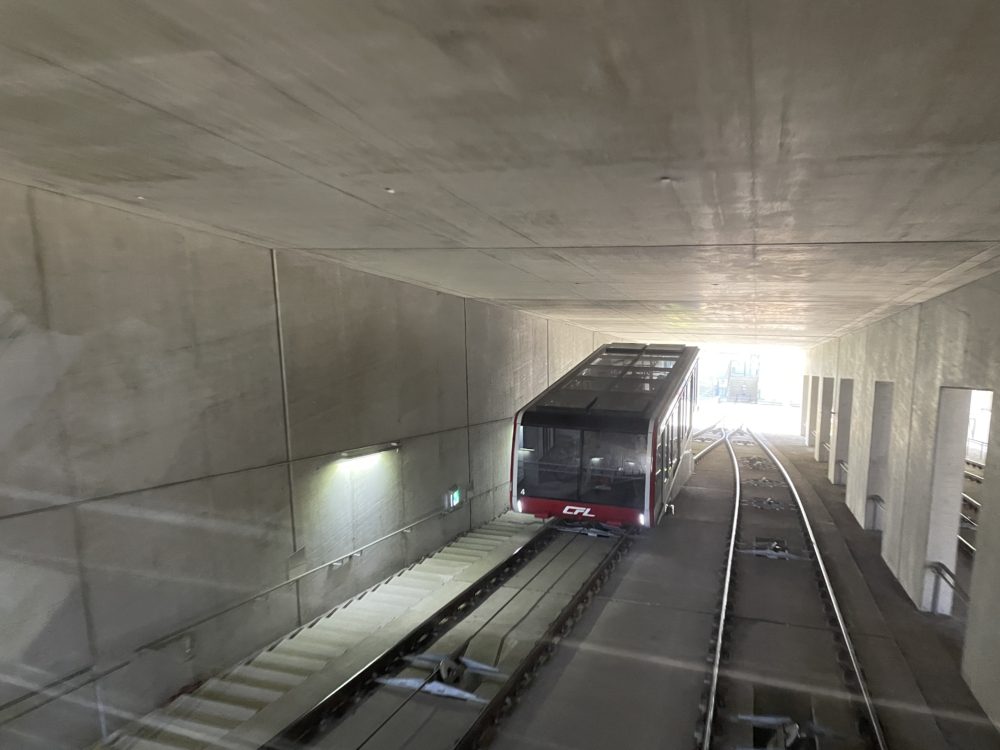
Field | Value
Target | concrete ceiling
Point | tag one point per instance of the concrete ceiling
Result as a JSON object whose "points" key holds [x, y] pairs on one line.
{"points": [[774, 170]]}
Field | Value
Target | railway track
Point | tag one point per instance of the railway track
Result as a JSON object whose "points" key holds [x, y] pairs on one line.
{"points": [[784, 672]]}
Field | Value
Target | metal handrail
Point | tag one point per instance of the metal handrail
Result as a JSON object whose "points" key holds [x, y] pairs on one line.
{"points": [[977, 464], [82, 677], [706, 740], [966, 544], [970, 522], [971, 501], [943, 573], [841, 622], [843, 466], [973, 477]]}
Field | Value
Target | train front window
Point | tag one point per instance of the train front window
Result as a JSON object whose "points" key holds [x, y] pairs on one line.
{"points": [[613, 469], [548, 462]]}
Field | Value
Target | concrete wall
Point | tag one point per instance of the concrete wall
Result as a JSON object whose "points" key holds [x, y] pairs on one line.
{"points": [[172, 408], [950, 341]]}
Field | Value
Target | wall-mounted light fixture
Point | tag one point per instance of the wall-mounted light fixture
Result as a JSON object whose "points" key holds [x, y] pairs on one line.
{"points": [[362, 458], [368, 450]]}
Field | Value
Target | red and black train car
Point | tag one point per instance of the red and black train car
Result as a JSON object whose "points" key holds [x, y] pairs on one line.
{"points": [[610, 441]]}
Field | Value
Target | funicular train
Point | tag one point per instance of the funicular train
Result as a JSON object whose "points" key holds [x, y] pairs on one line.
{"points": [[610, 441]]}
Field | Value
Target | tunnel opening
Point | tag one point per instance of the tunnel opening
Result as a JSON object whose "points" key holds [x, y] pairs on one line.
{"points": [[757, 387]]}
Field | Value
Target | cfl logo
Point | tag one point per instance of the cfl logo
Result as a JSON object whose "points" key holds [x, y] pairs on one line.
{"points": [[576, 510]]}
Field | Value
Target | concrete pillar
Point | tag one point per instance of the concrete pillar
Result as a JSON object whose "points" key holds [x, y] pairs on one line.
{"points": [[878, 454], [804, 409], [840, 438], [946, 492], [824, 405], [811, 408]]}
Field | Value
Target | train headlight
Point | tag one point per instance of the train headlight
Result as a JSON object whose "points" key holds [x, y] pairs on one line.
{"points": [[520, 507], [642, 519]]}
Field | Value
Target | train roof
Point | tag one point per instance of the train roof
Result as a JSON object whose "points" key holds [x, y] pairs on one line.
{"points": [[619, 387]]}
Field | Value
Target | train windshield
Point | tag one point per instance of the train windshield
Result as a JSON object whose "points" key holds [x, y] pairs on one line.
{"points": [[604, 468]]}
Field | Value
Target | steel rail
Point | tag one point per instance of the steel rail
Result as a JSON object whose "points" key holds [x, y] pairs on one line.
{"points": [[966, 545], [973, 477], [876, 727], [709, 447], [703, 430], [713, 685]]}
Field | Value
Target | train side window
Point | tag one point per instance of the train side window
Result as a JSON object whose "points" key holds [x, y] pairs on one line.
{"points": [[669, 465], [664, 469], [675, 439]]}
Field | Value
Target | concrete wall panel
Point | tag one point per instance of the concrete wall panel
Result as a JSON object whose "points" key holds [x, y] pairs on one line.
{"points": [[161, 345], [42, 611], [489, 505], [430, 536], [58, 725], [507, 360], [491, 445], [343, 504], [157, 559], [567, 346], [431, 466], [851, 354], [177, 376], [155, 675], [367, 359], [320, 591], [33, 456]]}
